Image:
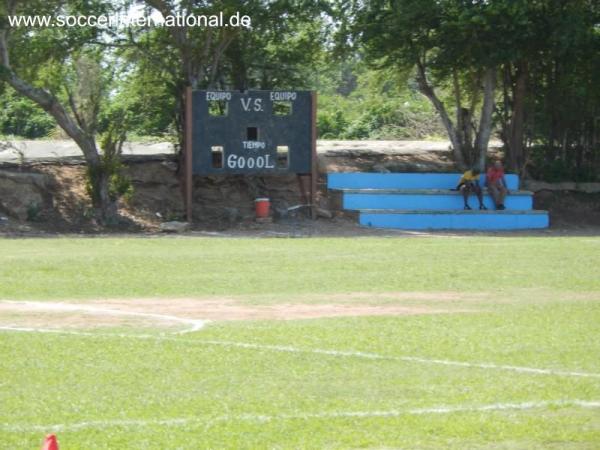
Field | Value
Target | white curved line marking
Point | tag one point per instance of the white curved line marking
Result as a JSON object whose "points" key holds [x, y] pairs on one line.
{"points": [[183, 421], [290, 349], [194, 324]]}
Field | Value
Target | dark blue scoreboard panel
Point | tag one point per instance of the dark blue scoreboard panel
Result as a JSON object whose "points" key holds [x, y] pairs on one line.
{"points": [[252, 132]]}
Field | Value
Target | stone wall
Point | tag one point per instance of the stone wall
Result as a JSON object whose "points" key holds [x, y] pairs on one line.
{"points": [[53, 190], [24, 194], [228, 198], [568, 186], [54, 186]]}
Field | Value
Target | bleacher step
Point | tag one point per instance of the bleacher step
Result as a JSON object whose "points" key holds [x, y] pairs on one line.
{"points": [[367, 180], [454, 220], [421, 201], [415, 199]]}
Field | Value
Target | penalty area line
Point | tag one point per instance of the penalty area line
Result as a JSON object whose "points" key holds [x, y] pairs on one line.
{"points": [[291, 349], [260, 418]]}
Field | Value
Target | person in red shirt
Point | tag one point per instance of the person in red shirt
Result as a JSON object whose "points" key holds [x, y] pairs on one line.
{"points": [[496, 184]]}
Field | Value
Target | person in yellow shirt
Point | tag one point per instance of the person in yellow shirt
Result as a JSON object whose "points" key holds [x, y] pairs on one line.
{"points": [[469, 182]]}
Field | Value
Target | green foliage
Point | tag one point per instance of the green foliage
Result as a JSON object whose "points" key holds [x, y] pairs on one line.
{"points": [[331, 125], [563, 124], [111, 167], [359, 103], [34, 212], [548, 164], [147, 94], [393, 119], [276, 54], [552, 45], [21, 117], [119, 184], [38, 53], [359, 56]]}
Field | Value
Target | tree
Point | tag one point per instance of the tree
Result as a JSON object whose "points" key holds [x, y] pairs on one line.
{"points": [[449, 45], [284, 37], [182, 56], [55, 68], [276, 53], [548, 76], [462, 47]]}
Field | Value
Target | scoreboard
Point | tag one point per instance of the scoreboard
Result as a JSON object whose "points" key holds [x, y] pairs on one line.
{"points": [[252, 132]]}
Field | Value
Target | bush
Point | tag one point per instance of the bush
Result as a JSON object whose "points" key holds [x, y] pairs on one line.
{"points": [[547, 166], [331, 125], [111, 142], [19, 116], [393, 119]]}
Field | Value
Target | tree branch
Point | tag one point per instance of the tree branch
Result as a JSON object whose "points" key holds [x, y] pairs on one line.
{"points": [[4, 48], [426, 89], [52, 106], [11, 7], [219, 51], [178, 33], [460, 126], [80, 121], [138, 46]]}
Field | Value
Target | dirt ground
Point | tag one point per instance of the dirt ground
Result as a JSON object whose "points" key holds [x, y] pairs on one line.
{"points": [[342, 227], [179, 313], [185, 314]]}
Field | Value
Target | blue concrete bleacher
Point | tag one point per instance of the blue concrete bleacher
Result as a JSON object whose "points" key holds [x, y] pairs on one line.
{"points": [[419, 201], [362, 180], [426, 199]]}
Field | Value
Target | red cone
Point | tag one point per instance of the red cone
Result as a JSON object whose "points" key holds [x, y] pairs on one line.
{"points": [[50, 443]]}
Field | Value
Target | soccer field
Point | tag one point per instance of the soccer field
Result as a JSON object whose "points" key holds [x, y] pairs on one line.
{"points": [[188, 343]]}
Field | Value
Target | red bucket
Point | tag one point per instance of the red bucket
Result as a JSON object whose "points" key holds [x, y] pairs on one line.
{"points": [[262, 206]]}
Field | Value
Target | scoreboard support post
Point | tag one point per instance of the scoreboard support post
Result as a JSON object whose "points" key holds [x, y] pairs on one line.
{"points": [[314, 172], [188, 154]]}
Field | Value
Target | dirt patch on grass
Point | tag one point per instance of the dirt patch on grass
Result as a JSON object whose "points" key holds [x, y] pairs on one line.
{"points": [[417, 295], [227, 309], [50, 315], [178, 313], [76, 321]]}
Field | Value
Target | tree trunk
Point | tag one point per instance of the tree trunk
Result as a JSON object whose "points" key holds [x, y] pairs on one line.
{"points": [[105, 207], [239, 69], [427, 91], [516, 129], [485, 122], [460, 128]]}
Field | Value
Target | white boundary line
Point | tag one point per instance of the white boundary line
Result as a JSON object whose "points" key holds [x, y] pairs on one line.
{"points": [[291, 349], [184, 421], [444, 362], [194, 324]]}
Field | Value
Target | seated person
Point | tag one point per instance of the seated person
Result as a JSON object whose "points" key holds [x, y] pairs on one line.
{"points": [[469, 182], [496, 184]]}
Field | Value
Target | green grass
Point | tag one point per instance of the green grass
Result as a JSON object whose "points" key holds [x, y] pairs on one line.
{"points": [[97, 268], [531, 302]]}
